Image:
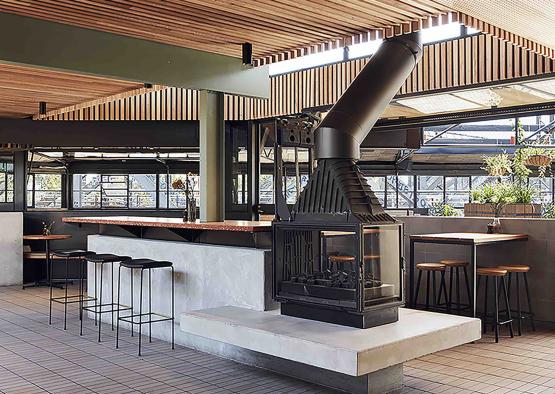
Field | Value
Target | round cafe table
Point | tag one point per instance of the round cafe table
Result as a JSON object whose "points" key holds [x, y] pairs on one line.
{"points": [[46, 239]]}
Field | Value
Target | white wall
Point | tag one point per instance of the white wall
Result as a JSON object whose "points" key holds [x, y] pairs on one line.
{"points": [[11, 248]]}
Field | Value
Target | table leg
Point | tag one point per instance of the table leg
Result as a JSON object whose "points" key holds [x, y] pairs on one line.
{"points": [[411, 274], [48, 263], [473, 262]]}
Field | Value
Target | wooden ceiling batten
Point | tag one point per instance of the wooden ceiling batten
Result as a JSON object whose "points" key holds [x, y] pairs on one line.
{"points": [[278, 29], [22, 88]]}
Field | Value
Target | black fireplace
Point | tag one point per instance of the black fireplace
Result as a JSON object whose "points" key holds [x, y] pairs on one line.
{"points": [[339, 257]]}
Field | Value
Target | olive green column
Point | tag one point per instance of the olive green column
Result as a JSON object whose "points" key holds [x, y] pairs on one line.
{"points": [[212, 156]]}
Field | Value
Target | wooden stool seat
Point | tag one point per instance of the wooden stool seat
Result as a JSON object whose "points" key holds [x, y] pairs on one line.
{"points": [[371, 257], [483, 271], [515, 268], [342, 259], [430, 266], [454, 263]]}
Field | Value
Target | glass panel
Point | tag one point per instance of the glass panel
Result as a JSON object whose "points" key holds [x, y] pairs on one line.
{"points": [[457, 191], [429, 190], [48, 190], [377, 183], [405, 186], [3, 187], [114, 191], [142, 191], [391, 199], [86, 191], [382, 279], [500, 131], [266, 189], [543, 190]]}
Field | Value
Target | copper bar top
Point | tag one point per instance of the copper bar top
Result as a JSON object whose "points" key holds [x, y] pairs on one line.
{"points": [[145, 221]]}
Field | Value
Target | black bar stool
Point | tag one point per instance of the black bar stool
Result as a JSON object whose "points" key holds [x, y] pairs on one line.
{"points": [[431, 269], [78, 256], [519, 270], [149, 265], [454, 267], [496, 274], [99, 306]]}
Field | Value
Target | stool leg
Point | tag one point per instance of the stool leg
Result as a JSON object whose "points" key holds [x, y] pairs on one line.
{"points": [[65, 299], [100, 301], [496, 312], [95, 294], [140, 311], [427, 290], [112, 298], [530, 312], [149, 307], [518, 306], [467, 284], [132, 325], [486, 306], [117, 313], [450, 288], [173, 309], [434, 291], [509, 285], [81, 275], [443, 286], [458, 286], [509, 317], [49, 268], [417, 288]]}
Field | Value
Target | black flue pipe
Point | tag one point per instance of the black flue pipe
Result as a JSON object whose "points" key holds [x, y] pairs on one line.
{"points": [[349, 121]]}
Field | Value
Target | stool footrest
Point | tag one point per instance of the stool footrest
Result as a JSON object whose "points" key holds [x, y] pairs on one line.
{"points": [[114, 307], [135, 318], [72, 299]]}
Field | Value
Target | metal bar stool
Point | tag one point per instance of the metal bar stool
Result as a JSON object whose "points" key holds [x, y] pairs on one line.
{"points": [[99, 306], [142, 265], [496, 274], [69, 255], [520, 270], [431, 269], [454, 267]]}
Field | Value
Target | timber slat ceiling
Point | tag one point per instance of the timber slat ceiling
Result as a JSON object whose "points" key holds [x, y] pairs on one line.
{"points": [[22, 88], [467, 62], [285, 27]]}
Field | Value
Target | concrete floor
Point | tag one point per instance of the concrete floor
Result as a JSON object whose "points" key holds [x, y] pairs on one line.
{"points": [[36, 357]]}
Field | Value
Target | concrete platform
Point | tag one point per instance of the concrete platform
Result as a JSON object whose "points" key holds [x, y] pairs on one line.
{"points": [[346, 358]]}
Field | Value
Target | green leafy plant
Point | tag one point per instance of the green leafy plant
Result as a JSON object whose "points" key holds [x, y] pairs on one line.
{"points": [[441, 209], [498, 165]]}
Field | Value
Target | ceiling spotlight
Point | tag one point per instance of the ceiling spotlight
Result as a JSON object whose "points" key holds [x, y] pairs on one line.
{"points": [[246, 51], [42, 108]]}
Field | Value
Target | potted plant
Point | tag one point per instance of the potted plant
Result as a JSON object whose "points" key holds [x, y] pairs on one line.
{"points": [[498, 165], [190, 215], [538, 157]]}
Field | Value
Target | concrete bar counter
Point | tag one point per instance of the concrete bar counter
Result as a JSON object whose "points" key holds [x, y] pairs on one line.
{"points": [[216, 264]]}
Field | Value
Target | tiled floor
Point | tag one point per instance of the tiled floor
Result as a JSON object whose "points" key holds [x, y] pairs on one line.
{"points": [[36, 357]]}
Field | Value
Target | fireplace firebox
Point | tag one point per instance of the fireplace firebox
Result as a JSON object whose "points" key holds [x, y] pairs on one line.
{"points": [[344, 274]]}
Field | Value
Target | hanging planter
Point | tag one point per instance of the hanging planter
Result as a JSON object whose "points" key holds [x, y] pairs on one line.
{"points": [[538, 160], [498, 171]]}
